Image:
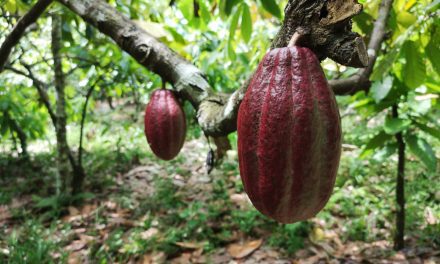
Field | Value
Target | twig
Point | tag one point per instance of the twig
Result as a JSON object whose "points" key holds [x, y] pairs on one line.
{"points": [[83, 118], [40, 86], [19, 29]]}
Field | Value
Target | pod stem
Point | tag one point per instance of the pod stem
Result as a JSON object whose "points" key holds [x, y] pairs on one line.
{"points": [[298, 36], [294, 40], [164, 83]]}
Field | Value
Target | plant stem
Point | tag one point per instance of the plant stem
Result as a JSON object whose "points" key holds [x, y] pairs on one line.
{"points": [[399, 241]]}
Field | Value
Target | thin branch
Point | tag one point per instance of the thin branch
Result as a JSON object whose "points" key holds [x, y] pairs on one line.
{"points": [[20, 133], [83, 118], [40, 86], [19, 29]]}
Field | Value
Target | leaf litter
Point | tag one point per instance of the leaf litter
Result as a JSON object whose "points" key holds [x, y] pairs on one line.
{"points": [[93, 225]]}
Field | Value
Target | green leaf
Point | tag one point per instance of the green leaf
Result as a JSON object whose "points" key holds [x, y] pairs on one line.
{"points": [[395, 125], [234, 23], [380, 89], [406, 19], [414, 70], [246, 23], [364, 22], [66, 32], [204, 11], [187, 8], [176, 35], [272, 7], [378, 141], [229, 5], [383, 66], [433, 50], [429, 130], [231, 51], [423, 151], [11, 6]]}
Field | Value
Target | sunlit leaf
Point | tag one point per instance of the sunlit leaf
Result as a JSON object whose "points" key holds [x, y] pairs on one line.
{"points": [[11, 6], [414, 70], [380, 89], [406, 19], [246, 23], [204, 11], [231, 51], [187, 8], [234, 23]]}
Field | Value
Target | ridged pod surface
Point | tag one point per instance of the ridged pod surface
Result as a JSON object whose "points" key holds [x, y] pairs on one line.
{"points": [[165, 125], [289, 136]]}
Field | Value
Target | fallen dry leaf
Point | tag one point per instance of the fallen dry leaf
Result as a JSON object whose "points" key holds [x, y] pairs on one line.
{"points": [[74, 258], [4, 213], [190, 245], [76, 245], [151, 232], [88, 208], [430, 217], [73, 210], [182, 259], [243, 250]]}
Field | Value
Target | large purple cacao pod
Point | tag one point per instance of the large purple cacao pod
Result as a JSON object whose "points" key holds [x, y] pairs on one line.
{"points": [[165, 125], [289, 136]]}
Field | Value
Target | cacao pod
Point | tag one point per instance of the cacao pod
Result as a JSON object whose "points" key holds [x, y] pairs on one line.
{"points": [[165, 125], [289, 136]]}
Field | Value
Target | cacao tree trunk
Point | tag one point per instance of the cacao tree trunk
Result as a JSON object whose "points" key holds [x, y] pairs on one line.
{"points": [[399, 241], [71, 183], [61, 117]]}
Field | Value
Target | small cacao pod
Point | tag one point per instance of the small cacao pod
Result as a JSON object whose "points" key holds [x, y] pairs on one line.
{"points": [[165, 125], [289, 136]]}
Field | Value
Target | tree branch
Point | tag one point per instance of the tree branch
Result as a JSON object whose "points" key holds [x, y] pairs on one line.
{"points": [[326, 29], [187, 79], [40, 86], [83, 119], [360, 81], [326, 24], [19, 29]]}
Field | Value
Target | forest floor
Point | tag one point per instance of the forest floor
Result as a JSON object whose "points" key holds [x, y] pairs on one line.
{"points": [[138, 209], [155, 213]]}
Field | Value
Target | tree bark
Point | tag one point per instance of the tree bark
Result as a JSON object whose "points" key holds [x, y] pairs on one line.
{"points": [[360, 80], [326, 26], [399, 237], [72, 182], [78, 170], [61, 117]]}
